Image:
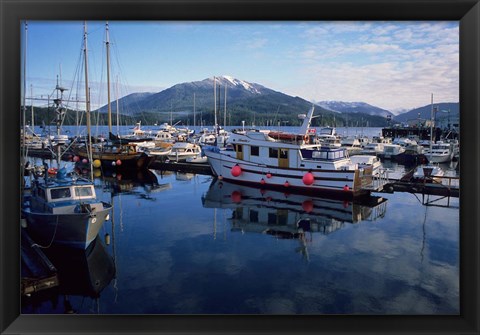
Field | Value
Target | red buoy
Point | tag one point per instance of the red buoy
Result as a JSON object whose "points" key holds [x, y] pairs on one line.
{"points": [[346, 188], [262, 181], [286, 184], [307, 206], [269, 175], [119, 162], [236, 196], [308, 178], [236, 171]]}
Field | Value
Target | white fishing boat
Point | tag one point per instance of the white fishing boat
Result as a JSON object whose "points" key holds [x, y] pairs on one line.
{"points": [[327, 136], [372, 149], [289, 163], [365, 161], [390, 151], [440, 152], [64, 210], [183, 150]]}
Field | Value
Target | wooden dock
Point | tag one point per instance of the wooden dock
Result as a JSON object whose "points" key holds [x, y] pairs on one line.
{"points": [[38, 273], [442, 186]]}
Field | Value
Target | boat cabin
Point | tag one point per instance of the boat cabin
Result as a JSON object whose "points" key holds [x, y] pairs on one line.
{"points": [[56, 197]]}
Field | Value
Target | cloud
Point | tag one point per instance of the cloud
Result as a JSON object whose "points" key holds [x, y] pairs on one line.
{"points": [[387, 65]]}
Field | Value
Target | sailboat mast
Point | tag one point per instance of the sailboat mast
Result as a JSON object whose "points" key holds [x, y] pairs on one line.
{"points": [[194, 120], [31, 106], [87, 98], [225, 108], [215, 99], [118, 109], [107, 43], [24, 93]]}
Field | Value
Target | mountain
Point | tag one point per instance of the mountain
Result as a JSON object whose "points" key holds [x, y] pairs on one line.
{"points": [[425, 112], [354, 107], [249, 102]]}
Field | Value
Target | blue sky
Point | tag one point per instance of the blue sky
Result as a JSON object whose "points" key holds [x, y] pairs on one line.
{"points": [[392, 65]]}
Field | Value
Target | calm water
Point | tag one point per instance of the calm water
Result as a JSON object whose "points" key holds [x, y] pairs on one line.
{"points": [[184, 244]]}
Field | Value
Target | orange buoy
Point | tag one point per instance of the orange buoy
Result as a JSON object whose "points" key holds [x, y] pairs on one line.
{"points": [[308, 178], [236, 171]]}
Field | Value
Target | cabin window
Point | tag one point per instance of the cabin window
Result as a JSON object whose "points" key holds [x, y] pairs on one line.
{"points": [[239, 148], [254, 151], [83, 191], [60, 193], [253, 216], [283, 153], [273, 152]]}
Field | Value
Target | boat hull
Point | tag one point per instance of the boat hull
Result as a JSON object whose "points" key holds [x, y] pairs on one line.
{"points": [[332, 183], [134, 161], [76, 230]]}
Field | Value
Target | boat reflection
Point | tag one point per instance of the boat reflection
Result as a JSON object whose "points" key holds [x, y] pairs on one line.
{"points": [[286, 215], [81, 274], [141, 182]]}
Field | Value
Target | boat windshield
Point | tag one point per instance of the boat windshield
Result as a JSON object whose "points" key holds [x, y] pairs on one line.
{"points": [[60, 193], [83, 191]]}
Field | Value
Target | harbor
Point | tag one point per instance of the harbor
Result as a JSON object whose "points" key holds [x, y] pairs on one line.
{"points": [[150, 204], [223, 196]]}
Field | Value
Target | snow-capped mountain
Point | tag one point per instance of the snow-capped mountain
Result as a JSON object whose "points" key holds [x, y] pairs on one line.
{"points": [[354, 107]]}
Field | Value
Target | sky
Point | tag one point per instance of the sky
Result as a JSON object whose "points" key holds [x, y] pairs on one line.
{"points": [[395, 65]]}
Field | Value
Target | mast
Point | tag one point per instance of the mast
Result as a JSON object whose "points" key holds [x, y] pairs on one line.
{"points": [[431, 127], [118, 109], [87, 98], [194, 124], [107, 43], [24, 97], [215, 104], [225, 108], [31, 105]]}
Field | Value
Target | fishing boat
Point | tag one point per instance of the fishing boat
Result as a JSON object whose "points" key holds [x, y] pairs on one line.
{"points": [[118, 157], [254, 157], [367, 161], [391, 151], [183, 150], [64, 210], [440, 152]]}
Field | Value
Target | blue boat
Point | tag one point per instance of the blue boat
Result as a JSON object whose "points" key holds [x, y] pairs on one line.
{"points": [[64, 210]]}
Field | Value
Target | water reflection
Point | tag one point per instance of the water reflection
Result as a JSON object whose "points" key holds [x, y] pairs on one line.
{"points": [[81, 273], [288, 216]]}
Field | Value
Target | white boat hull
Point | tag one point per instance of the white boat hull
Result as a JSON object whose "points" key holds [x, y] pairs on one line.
{"points": [[333, 182]]}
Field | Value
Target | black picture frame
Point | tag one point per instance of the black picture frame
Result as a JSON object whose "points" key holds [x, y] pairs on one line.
{"points": [[12, 12]]}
